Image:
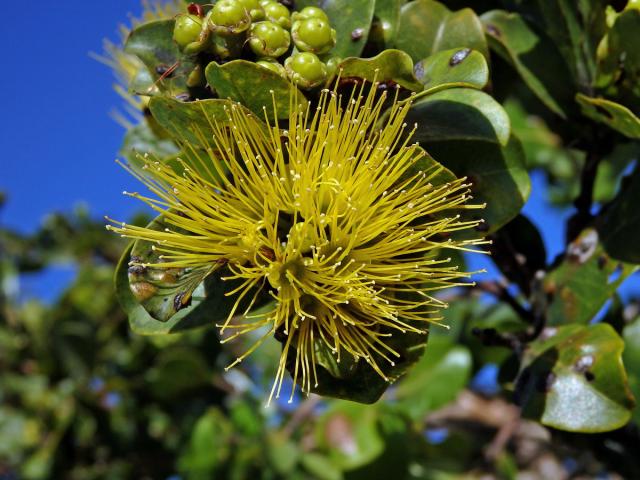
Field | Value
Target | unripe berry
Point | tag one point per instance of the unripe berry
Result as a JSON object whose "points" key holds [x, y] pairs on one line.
{"points": [[313, 35], [332, 64], [254, 8], [268, 39], [305, 69], [228, 17], [272, 65], [309, 12], [278, 13], [187, 30]]}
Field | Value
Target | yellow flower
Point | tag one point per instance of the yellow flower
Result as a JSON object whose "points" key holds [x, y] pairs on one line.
{"points": [[333, 216]]}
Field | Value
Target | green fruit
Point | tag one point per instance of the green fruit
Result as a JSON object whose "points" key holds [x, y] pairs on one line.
{"points": [[305, 69], [187, 30], [310, 12], [228, 17], [313, 35], [268, 39], [278, 13], [254, 8], [332, 65], [272, 65]]}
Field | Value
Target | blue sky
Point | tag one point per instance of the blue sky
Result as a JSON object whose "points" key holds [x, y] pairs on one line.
{"points": [[59, 142]]}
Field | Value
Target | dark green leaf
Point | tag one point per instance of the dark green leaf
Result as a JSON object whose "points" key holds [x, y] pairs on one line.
{"points": [[208, 447], [587, 277], [393, 65], [459, 114], [615, 115], [631, 358], [385, 22], [534, 57], [255, 87], [435, 380], [453, 68], [497, 174], [426, 27], [620, 226], [573, 379], [153, 43]]}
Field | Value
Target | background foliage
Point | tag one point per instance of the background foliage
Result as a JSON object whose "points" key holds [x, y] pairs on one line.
{"points": [[504, 88]]}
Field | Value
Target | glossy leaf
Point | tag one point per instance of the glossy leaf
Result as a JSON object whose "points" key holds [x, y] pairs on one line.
{"points": [[255, 87], [534, 57], [390, 65], [143, 139], [453, 68], [426, 27], [580, 285], [385, 22], [573, 379], [620, 225], [153, 44], [631, 359], [615, 115], [435, 380], [618, 56], [459, 114], [497, 175], [351, 19]]}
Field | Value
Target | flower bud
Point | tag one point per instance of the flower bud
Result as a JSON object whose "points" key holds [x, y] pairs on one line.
{"points": [[272, 65], [278, 13], [254, 8], [309, 12], [268, 39], [187, 30], [228, 17], [313, 35], [305, 69]]}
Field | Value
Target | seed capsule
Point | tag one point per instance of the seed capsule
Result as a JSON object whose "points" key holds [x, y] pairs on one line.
{"points": [[256, 12], [310, 12], [228, 17], [278, 13], [268, 39], [305, 69], [313, 35], [187, 30], [272, 65]]}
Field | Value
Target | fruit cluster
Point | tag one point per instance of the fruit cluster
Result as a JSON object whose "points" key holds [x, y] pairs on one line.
{"points": [[266, 28]]}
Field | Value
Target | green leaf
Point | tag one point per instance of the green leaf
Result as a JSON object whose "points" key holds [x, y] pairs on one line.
{"points": [[202, 311], [435, 380], [153, 44], [497, 175], [580, 285], [631, 359], [352, 21], [385, 22], [459, 114], [142, 139], [616, 116], [320, 467], [533, 56], [393, 65], [620, 225], [426, 27], [357, 381], [209, 445], [255, 87], [167, 379], [349, 433], [573, 379], [453, 68]]}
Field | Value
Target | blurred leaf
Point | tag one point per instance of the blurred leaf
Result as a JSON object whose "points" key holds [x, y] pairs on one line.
{"points": [[284, 453], [320, 467], [435, 380], [389, 65], [616, 116], [167, 378], [152, 42], [533, 56], [351, 19], [581, 284], [459, 114], [253, 86], [497, 175], [620, 225], [631, 359], [209, 446], [349, 433], [141, 140], [574, 380], [426, 27], [453, 68]]}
